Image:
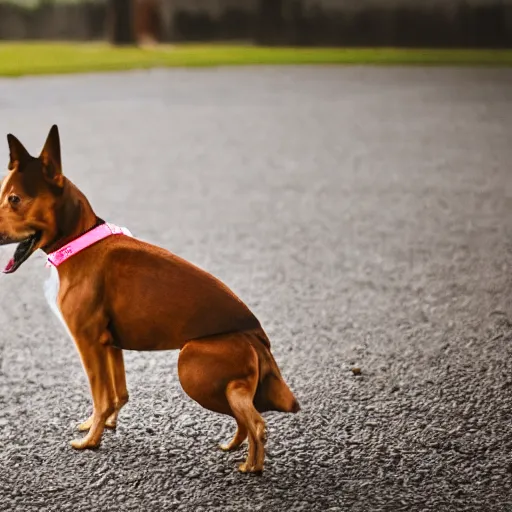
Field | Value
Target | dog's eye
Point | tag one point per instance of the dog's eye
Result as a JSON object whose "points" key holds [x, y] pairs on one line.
{"points": [[14, 199]]}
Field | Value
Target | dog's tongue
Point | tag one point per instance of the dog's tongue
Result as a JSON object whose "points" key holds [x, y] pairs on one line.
{"points": [[9, 265]]}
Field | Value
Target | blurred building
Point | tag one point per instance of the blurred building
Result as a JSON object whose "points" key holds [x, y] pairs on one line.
{"points": [[452, 23]]}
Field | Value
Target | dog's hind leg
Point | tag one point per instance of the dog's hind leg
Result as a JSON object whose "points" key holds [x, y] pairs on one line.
{"points": [[117, 381], [240, 399], [240, 437], [221, 374]]}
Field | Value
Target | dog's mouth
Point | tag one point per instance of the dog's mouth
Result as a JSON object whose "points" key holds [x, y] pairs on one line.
{"points": [[23, 250]]}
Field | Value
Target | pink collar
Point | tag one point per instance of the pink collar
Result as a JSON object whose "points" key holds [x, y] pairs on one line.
{"points": [[82, 242]]}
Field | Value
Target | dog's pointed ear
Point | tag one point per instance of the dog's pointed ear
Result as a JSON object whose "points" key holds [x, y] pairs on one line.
{"points": [[50, 156], [18, 155]]}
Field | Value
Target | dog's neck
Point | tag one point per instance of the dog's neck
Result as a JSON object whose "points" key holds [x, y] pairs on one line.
{"points": [[74, 216]]}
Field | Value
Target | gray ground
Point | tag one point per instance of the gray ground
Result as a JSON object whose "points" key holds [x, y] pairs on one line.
{"points": [[363, 214]]}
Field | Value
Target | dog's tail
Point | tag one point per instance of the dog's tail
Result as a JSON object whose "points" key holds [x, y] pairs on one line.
{"points": [[272, 393]]}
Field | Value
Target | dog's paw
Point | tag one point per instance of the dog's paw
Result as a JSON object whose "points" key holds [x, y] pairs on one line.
{"points": [[110, 423], [229, 447], [86, 425], [246, 468], [84, 444]]}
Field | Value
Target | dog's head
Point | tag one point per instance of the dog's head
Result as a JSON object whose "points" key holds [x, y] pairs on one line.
{"points": [[29, 194]]}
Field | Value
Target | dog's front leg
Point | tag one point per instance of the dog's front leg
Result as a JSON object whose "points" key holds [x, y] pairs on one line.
{"points": [[117, 378], [95, 361]]}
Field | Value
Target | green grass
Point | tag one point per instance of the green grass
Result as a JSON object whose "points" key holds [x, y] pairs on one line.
{"points": [[32, 58]]}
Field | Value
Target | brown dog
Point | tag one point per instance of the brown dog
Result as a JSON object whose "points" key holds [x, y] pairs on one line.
{"points": [[122, 293]]}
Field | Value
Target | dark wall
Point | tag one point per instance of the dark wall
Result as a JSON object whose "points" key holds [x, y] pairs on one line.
{"points": [[462, 26], [284, 22], [49, 21]]}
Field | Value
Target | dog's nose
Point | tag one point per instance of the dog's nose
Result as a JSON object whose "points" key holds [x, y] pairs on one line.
{"points": [[296, 406]]}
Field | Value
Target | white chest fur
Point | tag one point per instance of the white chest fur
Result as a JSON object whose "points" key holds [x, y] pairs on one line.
{"points": [[51, 291]]}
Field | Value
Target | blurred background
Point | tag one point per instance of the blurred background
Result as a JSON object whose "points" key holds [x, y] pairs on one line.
{"points": [[425, 23]]}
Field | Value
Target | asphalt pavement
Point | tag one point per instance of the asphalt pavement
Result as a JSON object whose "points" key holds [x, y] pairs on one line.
{"points": [[363, 214]]}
